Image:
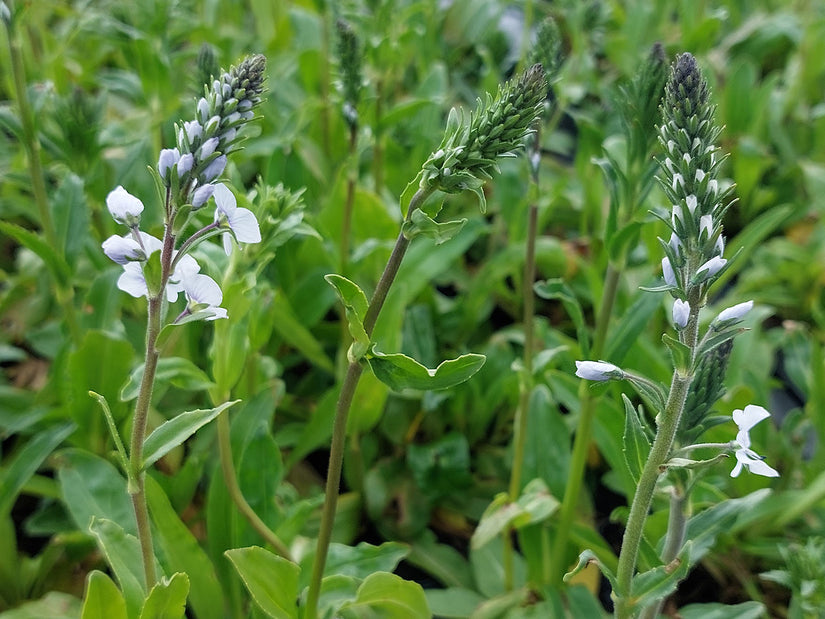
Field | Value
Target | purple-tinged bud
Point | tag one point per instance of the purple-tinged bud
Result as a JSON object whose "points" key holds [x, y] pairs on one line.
{"points": [[228, 136], [201, 195], [168, 158], [245, 105], [192, 129], [214, 169], [667, 272], [210, 127], [233, 118], [185, 164], [123, 249], [710, 268], [203, 110], [124, 207]]}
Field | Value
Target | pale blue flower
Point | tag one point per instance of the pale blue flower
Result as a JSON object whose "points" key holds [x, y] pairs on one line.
{"points": [[737, 312], [207, 148], [597, 370], [745, 456], [214, 169], [185, 164], [168, 158], [123, 249], [711, 267], [667, 272], [133, 282], [681, 313], [241, 222], [201, 195], [124, 207], [204, 295]]}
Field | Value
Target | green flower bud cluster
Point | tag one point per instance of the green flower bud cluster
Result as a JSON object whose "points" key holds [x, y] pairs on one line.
{"points": [[705, 390], [469, 152], [693, 255], [349, 56], [638, 104], [547, 48]]}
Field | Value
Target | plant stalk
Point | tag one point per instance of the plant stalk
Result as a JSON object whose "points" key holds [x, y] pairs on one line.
{"points": [[339, 431], [64, 292]]}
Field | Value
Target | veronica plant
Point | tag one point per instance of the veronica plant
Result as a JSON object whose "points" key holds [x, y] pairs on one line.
{"points": [[465, 159], [162, 269], [693, 261]]}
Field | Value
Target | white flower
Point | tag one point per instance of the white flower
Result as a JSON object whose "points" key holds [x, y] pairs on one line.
{"points": [[691, 203], [193, 131], [123, 249], [678, 180], [711, 267], [737, 312], [597, 370], [241, 221], [124, 207], [681, 313], [700, 175], [201, 195], [203, 295], [133, 282], [207, 148], [168, 158], [705, 226], [667, 271], [745, 457], [185, 164], [214, 169]]}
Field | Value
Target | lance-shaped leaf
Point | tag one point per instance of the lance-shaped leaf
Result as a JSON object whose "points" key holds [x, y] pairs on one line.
{"points": [[356, 304], [167, 599], [398, 371], [420, 224], [557, 289], [680, 353], [103, 600], [535, 504], [172, 433], [636, 446], [651, 586], [271, 580]]}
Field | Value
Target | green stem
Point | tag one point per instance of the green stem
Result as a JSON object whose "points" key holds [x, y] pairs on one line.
{"points": [[136, 473], [235, 493], [339, 429], [63, 291], [659, 453], [581, 443]]}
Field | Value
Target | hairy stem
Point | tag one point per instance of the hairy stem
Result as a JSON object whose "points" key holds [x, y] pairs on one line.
{"points": [[339, 430], [659, 453]]}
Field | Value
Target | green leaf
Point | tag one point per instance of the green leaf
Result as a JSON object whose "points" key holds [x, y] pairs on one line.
{"points": [[558, 290], [356, 304], [387, 596], [441, 561], [358, 561], [636, 445], [633, 322], [651, 586], [745, 610], [453, 603], [289, 327], [173, 432], [271, 580], [399, 371], [622, 242], [103, 599], [26, 461], [167, 599], [53, 605], [182, 553], [680, 353], [178, 371], [409, 191], [71, 216], [585, 558], [54, 262], [122, 552], [421, 224], [535, 504]]}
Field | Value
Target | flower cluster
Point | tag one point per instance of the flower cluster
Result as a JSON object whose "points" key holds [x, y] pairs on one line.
{"points": [[156, 268], [694, 253], [469, 151]]}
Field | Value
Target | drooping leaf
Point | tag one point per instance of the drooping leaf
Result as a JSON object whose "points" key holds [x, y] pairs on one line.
{"points": [[420, 224], [586, 557], [172, 433], [649, 587], [399, 371]]}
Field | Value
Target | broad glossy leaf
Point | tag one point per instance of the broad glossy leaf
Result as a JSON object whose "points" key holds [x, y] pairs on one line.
{"points": [[25, 462], [172, 433], [271, 580], [388, 596], [103, 600], [182, 553], [167, 599], [399, 371]]}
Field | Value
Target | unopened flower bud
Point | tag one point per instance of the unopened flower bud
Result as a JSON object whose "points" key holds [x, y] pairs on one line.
{"points": [[597, 370]]}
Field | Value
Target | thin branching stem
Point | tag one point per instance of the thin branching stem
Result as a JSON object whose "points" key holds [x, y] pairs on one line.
{"points": [[339, 430]]}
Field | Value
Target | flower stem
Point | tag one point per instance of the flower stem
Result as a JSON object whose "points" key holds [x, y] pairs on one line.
{"points": [[339, 430], [63, 291], [235, 493], [581, 442], [659, 453]]}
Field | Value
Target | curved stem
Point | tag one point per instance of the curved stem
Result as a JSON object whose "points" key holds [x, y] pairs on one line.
{"points": [[235, 493], [339, 430]]}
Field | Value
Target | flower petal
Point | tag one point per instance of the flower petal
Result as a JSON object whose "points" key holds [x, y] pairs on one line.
{"points": [[132, 281], [123, 249], [202, 289], [245, 226], [124, 207], [749, 417], [224, 200]]}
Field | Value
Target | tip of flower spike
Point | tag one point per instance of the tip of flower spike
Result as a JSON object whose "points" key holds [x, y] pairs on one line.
{"points": [[686, 89]]}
